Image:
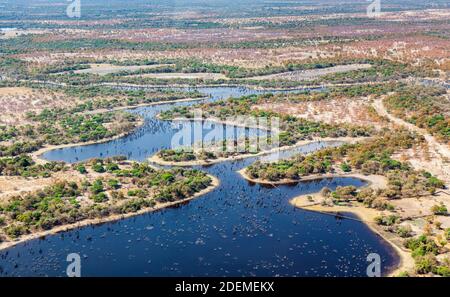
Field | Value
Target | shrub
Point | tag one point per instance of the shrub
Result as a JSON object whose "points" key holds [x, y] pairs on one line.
{"points": [[114, 184], [97, 186], [421, 246], [111, 167], [344, 193], [135, 205], [81, 169], [435, 182], [387, 220], [97, 167], [345, 167], [425, 264], [100, 197], [443, 271], [404, 231], [15, 230], [440, 209], [117, 195], [137, 193]]}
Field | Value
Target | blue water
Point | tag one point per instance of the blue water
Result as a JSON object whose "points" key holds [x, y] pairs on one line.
{"points": [[239, 229]]}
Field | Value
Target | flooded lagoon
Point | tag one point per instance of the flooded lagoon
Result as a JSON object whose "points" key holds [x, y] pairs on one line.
{"points": [[239, 229]]}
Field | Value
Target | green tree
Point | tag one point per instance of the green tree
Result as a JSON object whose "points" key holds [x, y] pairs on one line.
{"points": [[98, 167], [97, 186], [81, 168]]}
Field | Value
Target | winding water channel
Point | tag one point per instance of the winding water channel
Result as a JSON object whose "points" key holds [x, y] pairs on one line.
{"points": [[239, 229]]}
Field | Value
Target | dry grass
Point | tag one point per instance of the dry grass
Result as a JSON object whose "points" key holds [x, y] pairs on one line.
{"points": [[103, 69], [17, 101], [211, 76], [329, 111]]}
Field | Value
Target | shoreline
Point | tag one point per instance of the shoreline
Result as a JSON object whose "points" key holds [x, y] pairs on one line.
{"points": [[303, 86], [102, 110], [108, 219], [374, 181], [365, 215], [37, 155], [157, 160], [215, 120]]}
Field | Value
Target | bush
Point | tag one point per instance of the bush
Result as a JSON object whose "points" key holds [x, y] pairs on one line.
{"points": [[387, 220], [135, 205], [345, 167], [137, 193], [443, 271], [435, 182], [344, 193], [404, 231], [421, 246], [98, 168], [111, 167], [425, 264], [97, 186], [100, 197], [440, 209], [114, 184], [81, 169], [15, 231]]}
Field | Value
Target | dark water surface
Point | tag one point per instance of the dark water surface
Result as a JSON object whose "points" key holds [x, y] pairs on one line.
{"points": [[239, 229]]}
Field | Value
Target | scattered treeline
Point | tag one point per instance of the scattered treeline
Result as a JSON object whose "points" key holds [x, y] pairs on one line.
{"points": [[369, 157], [24, 165], [425, 107], [424, 251], [381, 70], [59, 126]]}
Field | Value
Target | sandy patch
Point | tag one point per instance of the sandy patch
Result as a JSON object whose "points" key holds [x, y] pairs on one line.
{"points": [[103, 69], [209, 76], [311, 74], [13, 185], [12, 33]]}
